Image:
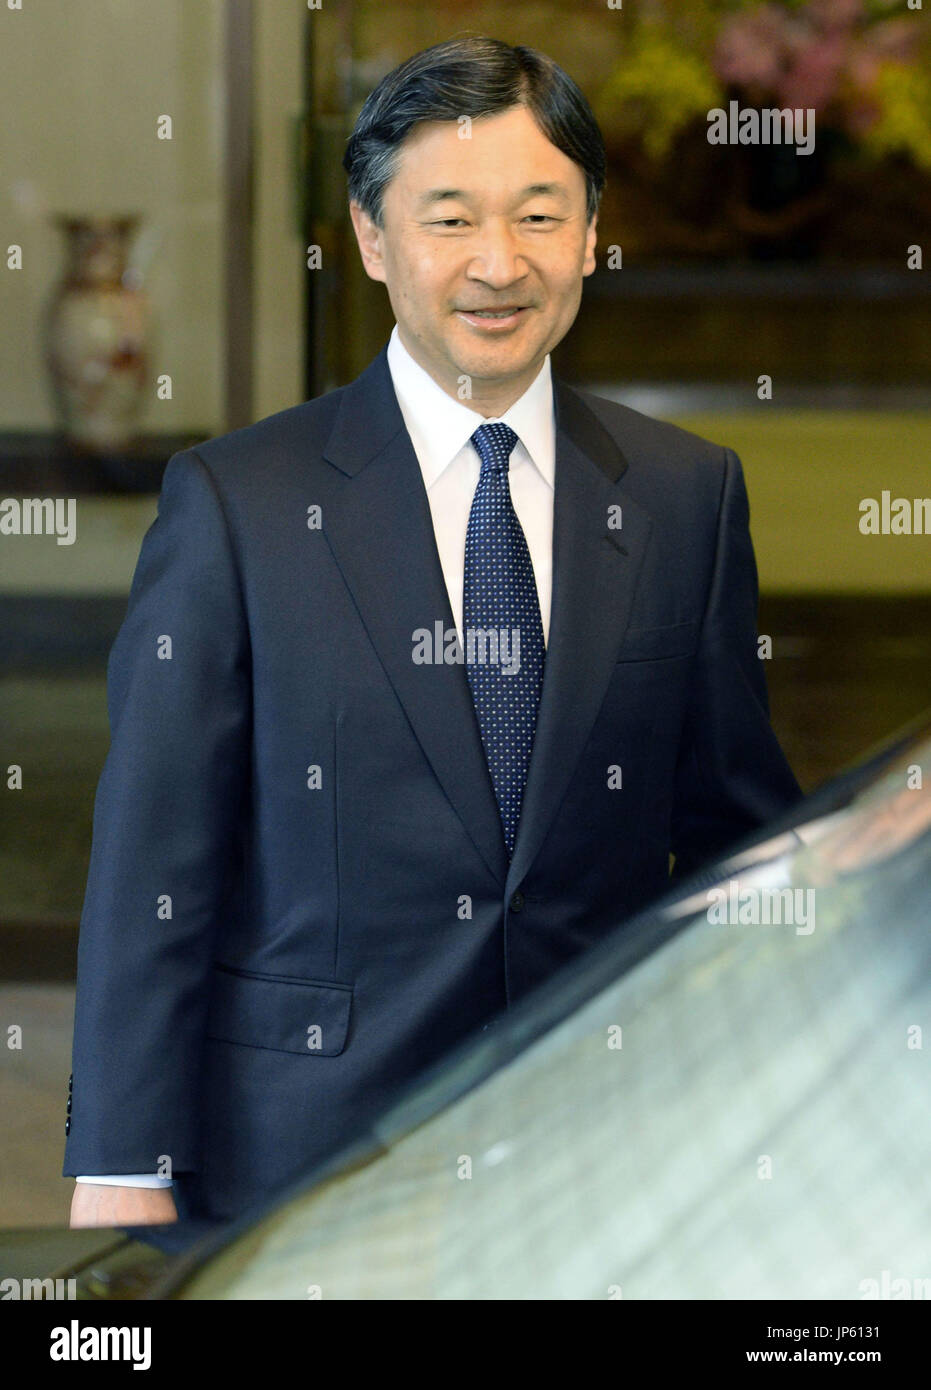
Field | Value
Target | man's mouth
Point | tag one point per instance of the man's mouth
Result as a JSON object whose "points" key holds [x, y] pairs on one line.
{"points": [[509, 314], [494, 313]]}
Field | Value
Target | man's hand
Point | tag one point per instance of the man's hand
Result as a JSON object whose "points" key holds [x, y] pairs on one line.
{"points": [[100, 1204]]}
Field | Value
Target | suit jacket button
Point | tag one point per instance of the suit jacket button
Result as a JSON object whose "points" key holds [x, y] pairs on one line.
{"points": [[517, 902], [69, 1105], [70, 1082], [68, 1125]]}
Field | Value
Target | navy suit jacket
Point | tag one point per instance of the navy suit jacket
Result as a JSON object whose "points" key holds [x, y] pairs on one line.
{"points": [[299, 894]]}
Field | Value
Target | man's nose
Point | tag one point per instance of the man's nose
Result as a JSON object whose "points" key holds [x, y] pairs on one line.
{"points": [[497, 259]]}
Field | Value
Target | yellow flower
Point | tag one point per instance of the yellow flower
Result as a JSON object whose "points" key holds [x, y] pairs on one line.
{"points": [[656, 90], [903, 94]]}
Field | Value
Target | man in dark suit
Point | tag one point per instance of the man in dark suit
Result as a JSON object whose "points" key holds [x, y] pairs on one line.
{"points": [[420, 683]]}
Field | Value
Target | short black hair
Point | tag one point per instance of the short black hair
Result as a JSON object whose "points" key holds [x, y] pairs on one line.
{"points": [[475, 76]]}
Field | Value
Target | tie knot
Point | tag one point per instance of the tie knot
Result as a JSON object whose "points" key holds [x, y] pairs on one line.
{"points": [[494, 444]]}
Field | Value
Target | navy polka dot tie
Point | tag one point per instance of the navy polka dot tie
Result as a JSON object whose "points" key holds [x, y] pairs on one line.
{"points": [[502, 631]]}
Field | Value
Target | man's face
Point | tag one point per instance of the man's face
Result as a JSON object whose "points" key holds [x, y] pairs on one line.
{"points": [[494, 221]]}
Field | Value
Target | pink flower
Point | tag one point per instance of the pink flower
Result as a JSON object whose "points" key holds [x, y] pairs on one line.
{"points": [[751, 49], [813, 78], [863, 69], [832, 16], [823, 54], [894, 39]]}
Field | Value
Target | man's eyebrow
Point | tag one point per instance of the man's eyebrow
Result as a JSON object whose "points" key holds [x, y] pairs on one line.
{"points": [[439, 195]]}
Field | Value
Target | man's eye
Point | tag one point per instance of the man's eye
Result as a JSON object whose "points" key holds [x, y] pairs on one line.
{"points": [[536, 217]]}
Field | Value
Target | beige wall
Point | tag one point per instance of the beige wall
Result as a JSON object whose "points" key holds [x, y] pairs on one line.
{"points": [[278, 300], [83, 85]]}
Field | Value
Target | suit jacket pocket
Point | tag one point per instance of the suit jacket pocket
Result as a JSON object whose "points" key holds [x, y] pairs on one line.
{"points": [[310, 1017], [659, 643]]}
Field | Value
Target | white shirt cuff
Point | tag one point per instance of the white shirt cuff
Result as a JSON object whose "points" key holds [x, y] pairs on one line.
{"points": [[128, 1180]]}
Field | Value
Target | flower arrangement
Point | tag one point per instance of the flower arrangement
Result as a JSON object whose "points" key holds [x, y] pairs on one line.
{"points": [[857, 63]]}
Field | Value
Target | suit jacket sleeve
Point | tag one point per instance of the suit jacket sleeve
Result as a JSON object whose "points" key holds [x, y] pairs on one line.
{"points": [[731, 776], [166, 822]]}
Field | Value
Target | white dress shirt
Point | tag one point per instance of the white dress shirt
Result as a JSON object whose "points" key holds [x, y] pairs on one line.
{"points": [[440, 429]]}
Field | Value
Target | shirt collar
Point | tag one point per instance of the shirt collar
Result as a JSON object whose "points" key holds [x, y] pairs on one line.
{"points": [[440, 426]]}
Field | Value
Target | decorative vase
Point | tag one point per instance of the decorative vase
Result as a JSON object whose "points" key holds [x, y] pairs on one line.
{"points": [[96, 335]]}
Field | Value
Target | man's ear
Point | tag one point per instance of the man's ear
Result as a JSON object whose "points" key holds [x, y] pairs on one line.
{"points": [[369, 238]]}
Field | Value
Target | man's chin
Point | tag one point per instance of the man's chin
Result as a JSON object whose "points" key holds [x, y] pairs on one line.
{"points": [[492, 362]]}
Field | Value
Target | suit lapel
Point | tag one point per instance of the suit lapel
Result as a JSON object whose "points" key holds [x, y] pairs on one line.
{"points": [[377, 522], [594, 573]]}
